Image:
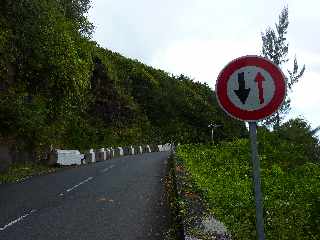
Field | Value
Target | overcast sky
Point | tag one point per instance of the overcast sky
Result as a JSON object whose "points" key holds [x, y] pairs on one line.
{"points": [[199, 37]]}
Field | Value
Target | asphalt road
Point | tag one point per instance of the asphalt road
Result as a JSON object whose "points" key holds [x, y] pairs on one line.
{"points": [[122, 198]]}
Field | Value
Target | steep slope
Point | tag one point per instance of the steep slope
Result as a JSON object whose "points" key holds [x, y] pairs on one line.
{"points": [[60, 89]]}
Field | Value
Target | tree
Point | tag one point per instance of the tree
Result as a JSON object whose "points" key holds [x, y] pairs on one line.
{"points": [[299, 133], [275, 47], [76, 11], [45, 69]]}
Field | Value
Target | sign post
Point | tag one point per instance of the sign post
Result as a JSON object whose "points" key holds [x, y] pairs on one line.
{"points": [[213, 126], [251, 88], [256, 180]]}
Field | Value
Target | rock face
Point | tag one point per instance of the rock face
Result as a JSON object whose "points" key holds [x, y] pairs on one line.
{"points": [[9, 154], [5, 158]]}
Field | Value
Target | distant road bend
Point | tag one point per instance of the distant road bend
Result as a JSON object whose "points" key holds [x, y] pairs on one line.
{"points": [[122, 198]]}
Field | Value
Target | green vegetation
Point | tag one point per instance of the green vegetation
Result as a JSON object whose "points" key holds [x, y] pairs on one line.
{"points": [[175, 230], [60, 89], [290, 181], [19, 172]]}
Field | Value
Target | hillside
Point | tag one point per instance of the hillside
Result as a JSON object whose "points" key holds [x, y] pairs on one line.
{"points": [[60, 89]]}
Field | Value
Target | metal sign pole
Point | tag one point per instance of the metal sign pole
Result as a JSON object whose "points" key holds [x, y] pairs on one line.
{"points": [[211, 135], [256, 180]]}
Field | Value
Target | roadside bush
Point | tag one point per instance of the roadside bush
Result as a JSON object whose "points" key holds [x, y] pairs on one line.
{"points": [[291, 194], [293, 143]]}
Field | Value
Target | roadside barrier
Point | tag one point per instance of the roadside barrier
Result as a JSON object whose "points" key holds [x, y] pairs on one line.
{"points": [[69, 157], [74, 157]]}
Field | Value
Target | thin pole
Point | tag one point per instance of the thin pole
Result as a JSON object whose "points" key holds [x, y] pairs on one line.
{"points": [[212, 134], [256, 180]]}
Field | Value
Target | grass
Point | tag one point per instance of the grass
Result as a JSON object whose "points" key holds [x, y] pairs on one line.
{"points": [[175, 231], [21, 171], [291, 195]]}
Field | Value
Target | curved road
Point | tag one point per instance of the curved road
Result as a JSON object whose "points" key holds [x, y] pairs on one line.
{"points": [[122, 198]]}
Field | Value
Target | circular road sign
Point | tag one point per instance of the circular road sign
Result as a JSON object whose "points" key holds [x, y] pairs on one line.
{"points": [[251, 88]]}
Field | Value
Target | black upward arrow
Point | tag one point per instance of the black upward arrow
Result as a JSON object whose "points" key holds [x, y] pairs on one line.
{"points": [[242, 92]]}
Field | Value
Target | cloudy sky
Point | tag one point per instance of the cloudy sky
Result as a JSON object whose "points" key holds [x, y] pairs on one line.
{"points": [[199, 37]]}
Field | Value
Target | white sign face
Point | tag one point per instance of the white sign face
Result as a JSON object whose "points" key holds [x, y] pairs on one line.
{"points": [[250, 88]]}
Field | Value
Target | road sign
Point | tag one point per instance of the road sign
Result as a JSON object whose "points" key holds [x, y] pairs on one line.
{"points": [[250, 88]]}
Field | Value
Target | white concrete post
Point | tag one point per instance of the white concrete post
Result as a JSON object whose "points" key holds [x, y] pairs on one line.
{"points": [[103, 154], [149, 149], [93, 155], [108, 153], [120, 151], [112, 153]]}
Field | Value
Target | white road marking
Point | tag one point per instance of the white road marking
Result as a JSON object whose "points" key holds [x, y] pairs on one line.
{"points": [[17, 220], [107, 169], [61, 194], [86, 180], [75, 186]]}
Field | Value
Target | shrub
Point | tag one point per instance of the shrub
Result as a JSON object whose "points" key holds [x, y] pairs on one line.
{"points": [[291, 194]]}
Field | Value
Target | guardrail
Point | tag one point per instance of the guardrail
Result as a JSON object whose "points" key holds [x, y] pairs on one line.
{"points": [[74, 157]]}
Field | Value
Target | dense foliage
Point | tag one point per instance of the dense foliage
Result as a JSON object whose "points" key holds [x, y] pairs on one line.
{"points": [[60, 89], [290, 182]]}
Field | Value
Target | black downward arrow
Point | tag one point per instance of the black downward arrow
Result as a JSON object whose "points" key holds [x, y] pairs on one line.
{"points": [[242, 92]]}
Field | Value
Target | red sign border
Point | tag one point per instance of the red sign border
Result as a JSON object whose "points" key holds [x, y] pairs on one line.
{"points": [[259, 114]]}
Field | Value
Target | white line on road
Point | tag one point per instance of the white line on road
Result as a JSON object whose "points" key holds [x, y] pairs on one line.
{"points": [[75, 186], [86, 180], [108, 168], [17, 220]]}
